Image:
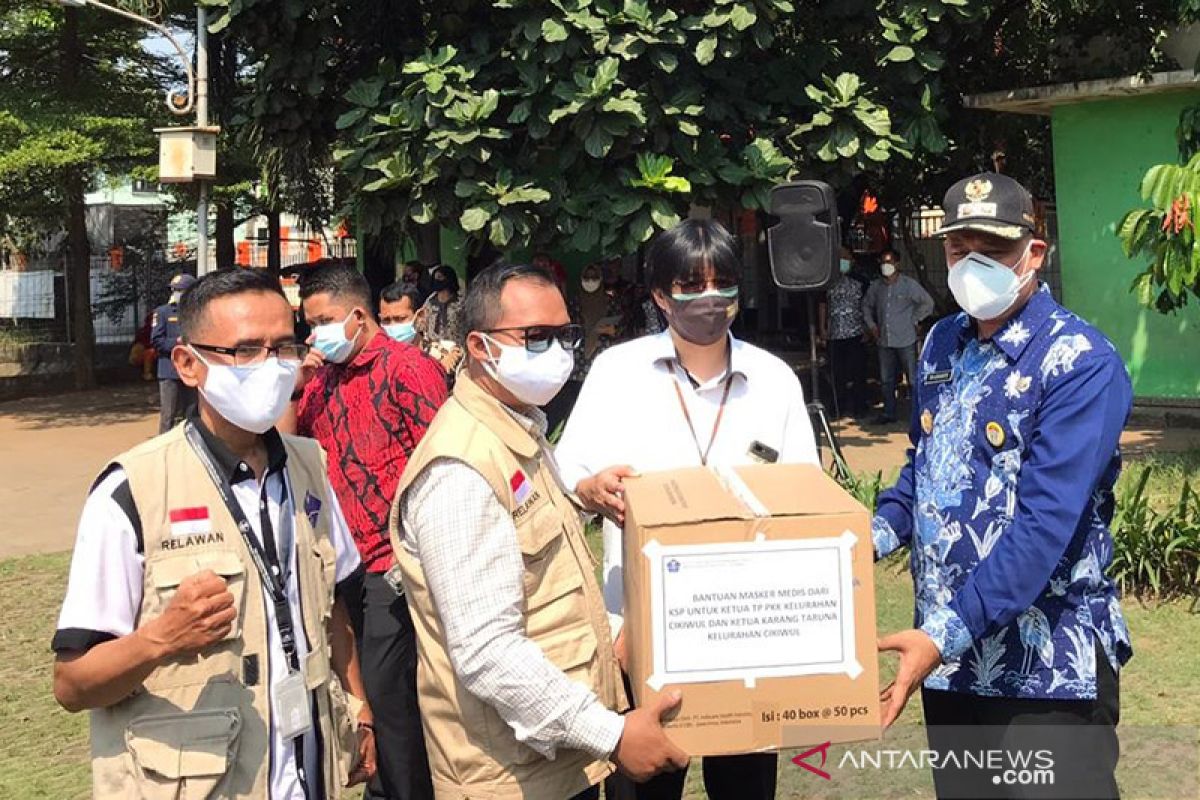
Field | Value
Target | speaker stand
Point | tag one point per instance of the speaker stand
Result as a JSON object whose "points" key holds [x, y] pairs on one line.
{"points": [[816, 409]]}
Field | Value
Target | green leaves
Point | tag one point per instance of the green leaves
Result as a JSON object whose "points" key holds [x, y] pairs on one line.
{"points": [[553, 30], [1165, 234]]}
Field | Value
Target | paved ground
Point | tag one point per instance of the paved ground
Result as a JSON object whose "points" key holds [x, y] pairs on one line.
{"points": [[52, 448]]}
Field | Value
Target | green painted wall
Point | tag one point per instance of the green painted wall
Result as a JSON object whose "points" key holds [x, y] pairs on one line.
{"points": [[1101, 151]]}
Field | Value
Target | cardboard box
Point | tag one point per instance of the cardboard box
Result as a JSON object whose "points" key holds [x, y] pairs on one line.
{"points": [[751, 590]]}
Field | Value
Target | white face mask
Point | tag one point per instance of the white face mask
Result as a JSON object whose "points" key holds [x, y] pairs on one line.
{"points": [[888, 269], [533, 378], [331, 340], [252, 398], [590, 284], [985, 287]]}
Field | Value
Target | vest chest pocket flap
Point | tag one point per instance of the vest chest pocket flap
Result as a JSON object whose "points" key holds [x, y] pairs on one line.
{"points": [[167, 572], [185, 754], [549, 572]]}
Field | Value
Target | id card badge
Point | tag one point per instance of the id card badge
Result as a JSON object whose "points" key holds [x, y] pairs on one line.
{"points": [[293, 716]]}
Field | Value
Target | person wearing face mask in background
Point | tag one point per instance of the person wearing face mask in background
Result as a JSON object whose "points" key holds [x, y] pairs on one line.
{"points": [[509, 711], [175, 398], [440, 319], [892, 307], [398, 305], [368, 399], [599, 315], [205, 621], [843, 329], [689, 396], [1006, 501]]}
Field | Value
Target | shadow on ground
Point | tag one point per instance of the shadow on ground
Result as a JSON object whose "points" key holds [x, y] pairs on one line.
{"points": [[97, 407]]}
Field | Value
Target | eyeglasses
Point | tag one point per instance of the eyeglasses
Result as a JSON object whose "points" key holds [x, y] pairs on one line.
{"points": [[722, 285], [538, 338], [250, 355]]}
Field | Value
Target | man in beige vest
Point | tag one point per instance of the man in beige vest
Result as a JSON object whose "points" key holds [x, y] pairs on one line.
{"points": [[200, 625], [518, 681]]}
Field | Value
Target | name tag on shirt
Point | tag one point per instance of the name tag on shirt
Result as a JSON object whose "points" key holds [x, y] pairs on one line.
{"points": [[933, 378], [293, 716]]}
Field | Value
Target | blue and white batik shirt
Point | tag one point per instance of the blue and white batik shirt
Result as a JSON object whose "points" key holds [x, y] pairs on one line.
{"points": [[1005, 501]]}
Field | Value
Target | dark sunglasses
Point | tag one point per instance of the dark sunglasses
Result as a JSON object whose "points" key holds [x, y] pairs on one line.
{"points": [[702, 286], [538, 338]]}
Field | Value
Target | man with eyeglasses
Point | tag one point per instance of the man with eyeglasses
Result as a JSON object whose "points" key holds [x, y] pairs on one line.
{"points": [[519, 687], [692, 395], [205, 624], [368, 399]]}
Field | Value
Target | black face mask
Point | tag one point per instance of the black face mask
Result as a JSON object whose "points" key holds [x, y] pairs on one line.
{"points": [[704, 320], [439, 284]]}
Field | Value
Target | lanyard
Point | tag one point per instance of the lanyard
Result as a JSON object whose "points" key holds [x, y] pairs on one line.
{"points": [[716, 423], [272, 577]]}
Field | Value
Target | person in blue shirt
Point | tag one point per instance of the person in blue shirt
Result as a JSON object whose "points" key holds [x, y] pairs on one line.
{"points": [[1005, 503], [174, 398]]}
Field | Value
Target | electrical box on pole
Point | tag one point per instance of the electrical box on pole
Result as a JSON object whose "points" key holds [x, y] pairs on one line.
{"points": [[187, 154]]}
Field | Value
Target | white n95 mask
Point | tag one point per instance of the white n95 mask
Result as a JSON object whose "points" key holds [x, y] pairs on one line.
{"points": [[533, 378], [252, 398], [985, 287]]}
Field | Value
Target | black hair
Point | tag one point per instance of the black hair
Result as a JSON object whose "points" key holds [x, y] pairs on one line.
{"points": [[337, 280], [450, 274], [481, 306], [394, 292], [222, 283], [691, 251], [889, 251]]}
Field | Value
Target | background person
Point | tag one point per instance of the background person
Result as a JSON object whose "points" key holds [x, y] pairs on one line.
{"points": [[174, 396], [1006, 502], [892, 307], [440, 318], [692, 395], [209, 569], [843, 329], [368, 400], [398, 306], [518, 682]]}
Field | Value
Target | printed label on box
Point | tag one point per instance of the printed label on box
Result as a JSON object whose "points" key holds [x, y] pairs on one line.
{"points": [[749, 610]]}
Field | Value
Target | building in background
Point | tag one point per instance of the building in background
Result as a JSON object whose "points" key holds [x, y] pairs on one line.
{"points": [[1106, 134]]}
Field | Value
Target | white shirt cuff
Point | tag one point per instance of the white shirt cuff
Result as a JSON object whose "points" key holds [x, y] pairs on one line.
{"points": [[596, 730]]}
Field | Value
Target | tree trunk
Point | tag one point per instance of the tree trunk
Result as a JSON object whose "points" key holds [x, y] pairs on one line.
{"points": [[428, 241], [274, 244], [79, 283], [226, 254], [379, 261]]}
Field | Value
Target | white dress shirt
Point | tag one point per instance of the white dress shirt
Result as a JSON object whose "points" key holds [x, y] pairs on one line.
{"points": [[104, 590], [628, 412], [467, 545]]}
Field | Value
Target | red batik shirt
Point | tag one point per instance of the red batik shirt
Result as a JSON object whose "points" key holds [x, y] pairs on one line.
{"points": [[369, 414]]}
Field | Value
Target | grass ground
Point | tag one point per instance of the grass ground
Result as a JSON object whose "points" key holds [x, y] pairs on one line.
{"points": [[43, 750]]}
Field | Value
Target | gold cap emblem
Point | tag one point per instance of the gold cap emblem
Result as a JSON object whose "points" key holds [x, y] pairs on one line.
{"points": [[978, 189]]}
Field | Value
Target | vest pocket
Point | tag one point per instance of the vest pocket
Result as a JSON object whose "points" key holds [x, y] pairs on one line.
{"points": [[344, 708], [549, 575], [167, 573], [185, 754]]}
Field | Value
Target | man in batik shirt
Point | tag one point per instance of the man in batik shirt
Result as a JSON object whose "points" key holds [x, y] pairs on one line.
{"points": [[1005, 503]]}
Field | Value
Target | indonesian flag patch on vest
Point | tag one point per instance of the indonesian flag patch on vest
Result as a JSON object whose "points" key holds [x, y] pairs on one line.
{"points": [[520, 486], [190, 521]]}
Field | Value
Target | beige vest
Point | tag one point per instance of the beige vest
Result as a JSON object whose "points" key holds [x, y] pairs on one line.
{"points": [[472, 751], [195, 729]]}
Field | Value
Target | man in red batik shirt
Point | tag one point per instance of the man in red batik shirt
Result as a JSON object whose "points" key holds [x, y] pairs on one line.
{"points": [[368, 400]]}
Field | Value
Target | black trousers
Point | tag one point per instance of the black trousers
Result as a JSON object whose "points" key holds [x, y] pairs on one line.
{"points": [[174, 399], [388, 657], [747, 777], [1079, 737], [848, 373]]}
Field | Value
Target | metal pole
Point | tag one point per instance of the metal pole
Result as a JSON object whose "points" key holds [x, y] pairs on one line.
{"points": [[202, 266]]}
